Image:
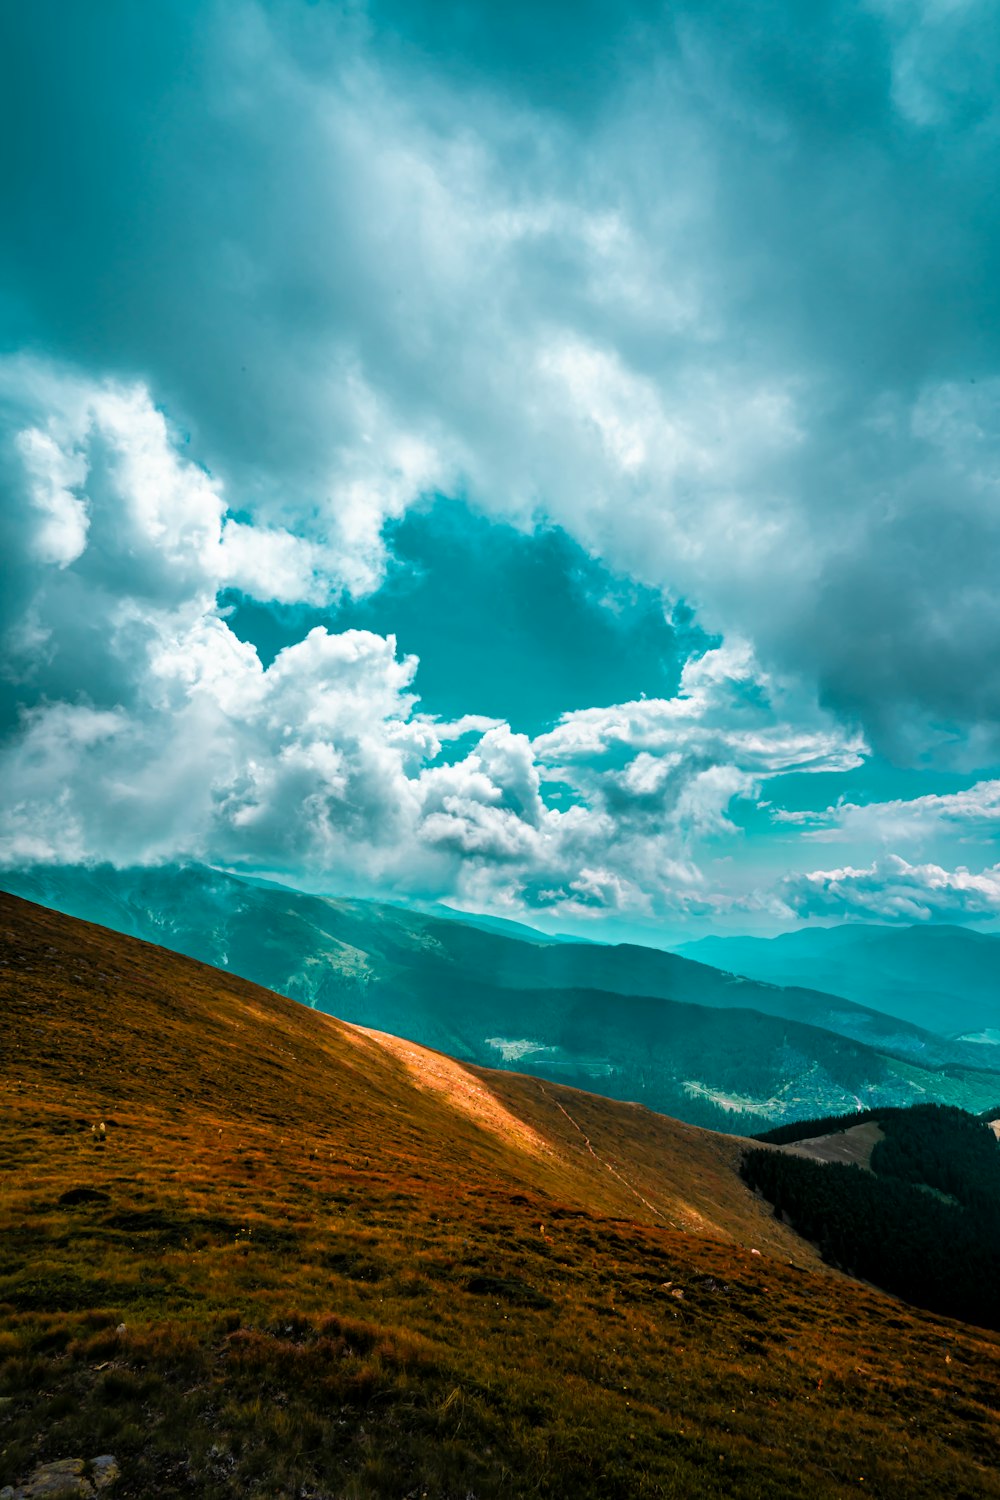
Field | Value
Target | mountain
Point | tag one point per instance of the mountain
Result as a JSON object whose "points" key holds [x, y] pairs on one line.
{"points": [[628, 1022], [502, 925], [248, 1250], [943, 978]]}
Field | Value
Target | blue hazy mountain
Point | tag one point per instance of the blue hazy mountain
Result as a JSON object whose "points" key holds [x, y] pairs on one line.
{"points": [[943, 978], [628, 1022]]}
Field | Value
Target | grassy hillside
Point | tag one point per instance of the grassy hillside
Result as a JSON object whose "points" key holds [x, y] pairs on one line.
{"points": [[943, 978], [631, 1023], [305, 1260]]}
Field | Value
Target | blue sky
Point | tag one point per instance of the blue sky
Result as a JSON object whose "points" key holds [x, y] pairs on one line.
{"points": [[517, 625], [540, 459]]}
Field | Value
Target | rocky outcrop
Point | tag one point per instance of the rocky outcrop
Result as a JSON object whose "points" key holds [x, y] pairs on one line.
{"points": [[66, 1479]]}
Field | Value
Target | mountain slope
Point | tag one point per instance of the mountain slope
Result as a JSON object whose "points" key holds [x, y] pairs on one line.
{"points": [[944, 978], [231, 1049], [305, 1260], [562, 1010]]}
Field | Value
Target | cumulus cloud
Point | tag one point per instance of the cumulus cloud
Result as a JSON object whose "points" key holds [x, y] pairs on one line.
{"points": [[145, 730], [718, 299], [891, 890], [679, 763], [53, 477], [107, 525]]}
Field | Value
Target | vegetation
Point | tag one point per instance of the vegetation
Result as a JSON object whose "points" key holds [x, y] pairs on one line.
{"points": [[304, 1261], [923, 1222], [628, 1022]]}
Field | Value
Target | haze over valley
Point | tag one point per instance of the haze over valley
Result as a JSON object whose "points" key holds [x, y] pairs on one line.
{"points": [[631, 1023]]}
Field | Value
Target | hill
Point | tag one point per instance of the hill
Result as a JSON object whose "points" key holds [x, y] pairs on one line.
{"points": [[305, 1260], [943, 978], [628, 1022], [909, 1199]]}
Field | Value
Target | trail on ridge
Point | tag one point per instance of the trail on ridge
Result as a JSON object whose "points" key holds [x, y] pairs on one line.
{"points": [[606, 1164]]}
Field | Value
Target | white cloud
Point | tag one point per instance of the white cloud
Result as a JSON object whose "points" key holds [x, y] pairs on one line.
{"points": [[149, 731], [270, 564], [975, 809], [727, 711], [54, 476], [891, 890]]}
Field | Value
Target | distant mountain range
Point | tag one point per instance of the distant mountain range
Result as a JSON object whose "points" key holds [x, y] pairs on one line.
{"points": [[943, 978], [628, 1022]]}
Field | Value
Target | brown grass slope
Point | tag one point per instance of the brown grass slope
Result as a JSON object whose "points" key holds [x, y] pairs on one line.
{"points": [[347, 1266]]}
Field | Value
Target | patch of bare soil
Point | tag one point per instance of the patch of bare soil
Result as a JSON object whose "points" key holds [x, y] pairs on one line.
{"points": [[852, 1147]]}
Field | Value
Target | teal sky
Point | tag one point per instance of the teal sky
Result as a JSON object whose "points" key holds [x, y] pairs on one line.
{"points": [[521, 626], [541, 459]]}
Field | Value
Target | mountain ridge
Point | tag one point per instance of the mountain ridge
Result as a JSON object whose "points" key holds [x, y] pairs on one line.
{"points": [[692, 1044], [942, 977]]}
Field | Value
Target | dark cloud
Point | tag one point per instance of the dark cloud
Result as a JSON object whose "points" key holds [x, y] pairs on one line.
{"points": [[709, 291], [317, 231]]}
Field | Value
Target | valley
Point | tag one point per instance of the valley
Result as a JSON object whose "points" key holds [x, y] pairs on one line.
{"points": [[635, 1024]]}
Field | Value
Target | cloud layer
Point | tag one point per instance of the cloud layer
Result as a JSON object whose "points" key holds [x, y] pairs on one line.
{"points": [[891, 890], [725, 311], [976, 809], [715, 297], [147, 730]]}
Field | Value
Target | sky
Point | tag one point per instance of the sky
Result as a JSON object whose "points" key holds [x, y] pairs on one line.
{"points": [[539, 458]]}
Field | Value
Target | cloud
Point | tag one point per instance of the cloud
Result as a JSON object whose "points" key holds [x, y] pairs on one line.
{"points": [[321, 766], [54, 476], [716, 297], [891, 890], [728, 712], [144, 729], [108, 524], [975, 809]]}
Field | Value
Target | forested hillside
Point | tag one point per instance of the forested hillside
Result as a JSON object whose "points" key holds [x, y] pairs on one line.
{"points": [[923, 1221]]}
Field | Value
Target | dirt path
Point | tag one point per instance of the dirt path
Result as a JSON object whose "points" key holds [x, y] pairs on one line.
{"points": [[600, 1159]]}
